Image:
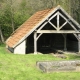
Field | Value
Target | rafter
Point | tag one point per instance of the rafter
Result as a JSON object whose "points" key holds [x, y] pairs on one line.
{"points": [[53, 16], [42, 25], [68, 22]]}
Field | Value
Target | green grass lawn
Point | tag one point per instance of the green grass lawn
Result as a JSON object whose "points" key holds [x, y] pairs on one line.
{"points": [[23, 67]]}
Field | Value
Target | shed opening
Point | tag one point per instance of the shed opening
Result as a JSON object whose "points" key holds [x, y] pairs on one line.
{"points": [[48, 43]]}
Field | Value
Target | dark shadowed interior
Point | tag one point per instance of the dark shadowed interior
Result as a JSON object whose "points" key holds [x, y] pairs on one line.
{"points": [[48, 43]]}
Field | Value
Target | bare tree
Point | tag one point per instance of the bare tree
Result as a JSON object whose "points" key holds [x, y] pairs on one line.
{"points": [[1, 35], [12, 15]]}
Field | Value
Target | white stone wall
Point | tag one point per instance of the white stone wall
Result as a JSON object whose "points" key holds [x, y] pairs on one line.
{"points": [[21, 48]]}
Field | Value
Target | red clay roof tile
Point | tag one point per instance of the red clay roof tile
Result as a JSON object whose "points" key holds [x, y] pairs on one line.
{"points": [[26, 27]]}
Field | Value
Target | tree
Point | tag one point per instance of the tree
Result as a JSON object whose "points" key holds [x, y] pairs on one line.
{"points": [[14, 12], [1, 20]]}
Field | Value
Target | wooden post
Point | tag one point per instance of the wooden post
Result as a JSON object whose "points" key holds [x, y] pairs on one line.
{"points": [[65, 47], [79, 43], [35, 42], [58, 21]]}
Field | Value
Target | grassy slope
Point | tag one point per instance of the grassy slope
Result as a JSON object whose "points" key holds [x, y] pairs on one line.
{"points": [[23, 67]]}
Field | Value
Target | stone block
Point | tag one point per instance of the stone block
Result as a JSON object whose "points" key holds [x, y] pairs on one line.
{"points": [[56, 66]]}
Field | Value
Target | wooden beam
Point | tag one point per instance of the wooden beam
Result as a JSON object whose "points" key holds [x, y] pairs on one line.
{"points": [[42, 26], [76, 36], [70, 17], [65, 46], [35, 43], [68, 22], [53, 16], [52, 25], [58, 21], [79, 43], [39, 35], [63, 25], [55, 31]]}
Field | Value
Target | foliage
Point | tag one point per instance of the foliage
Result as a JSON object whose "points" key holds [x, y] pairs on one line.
{"points": [[14, 13]]}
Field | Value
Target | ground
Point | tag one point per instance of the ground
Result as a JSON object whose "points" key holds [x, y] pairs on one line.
{"points": [[23, 67]]}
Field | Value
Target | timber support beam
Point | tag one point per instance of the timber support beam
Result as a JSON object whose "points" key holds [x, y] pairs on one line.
{"points": [[65, 42], [35, 42], [79, 43], [60, 31]]}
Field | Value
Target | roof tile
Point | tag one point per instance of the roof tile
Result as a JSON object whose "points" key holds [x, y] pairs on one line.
{"points": [[26, 27]]}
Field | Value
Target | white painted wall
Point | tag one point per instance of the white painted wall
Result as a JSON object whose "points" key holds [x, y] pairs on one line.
{"points": [[21, 48]]}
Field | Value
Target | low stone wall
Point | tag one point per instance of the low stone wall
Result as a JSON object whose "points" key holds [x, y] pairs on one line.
{"points": [[56, 66]]}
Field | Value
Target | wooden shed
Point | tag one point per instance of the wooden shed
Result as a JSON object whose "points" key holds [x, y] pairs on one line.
{"points": [[46, 30]]}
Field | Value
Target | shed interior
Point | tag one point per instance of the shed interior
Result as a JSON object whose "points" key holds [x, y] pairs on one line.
{"points": [[48, 42]]}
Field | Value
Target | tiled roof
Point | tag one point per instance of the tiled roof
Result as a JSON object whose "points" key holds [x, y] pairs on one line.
{"points": [[27, 26]]}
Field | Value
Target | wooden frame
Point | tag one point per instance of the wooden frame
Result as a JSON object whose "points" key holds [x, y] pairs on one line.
{"points": [[68, 22], [65, 41], [55, 31], [58, 16], [35, 42], [79, 43], [76, 36], [52, 25]]}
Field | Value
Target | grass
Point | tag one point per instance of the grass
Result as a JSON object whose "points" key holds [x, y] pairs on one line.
{"points": [[23, 67]]}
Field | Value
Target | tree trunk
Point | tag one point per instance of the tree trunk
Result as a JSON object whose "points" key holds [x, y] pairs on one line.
{"points": [[12, 23], [1, 34], [12, 16]]}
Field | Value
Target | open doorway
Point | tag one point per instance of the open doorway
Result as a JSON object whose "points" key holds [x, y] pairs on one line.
{"points": [[48, 43]]}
